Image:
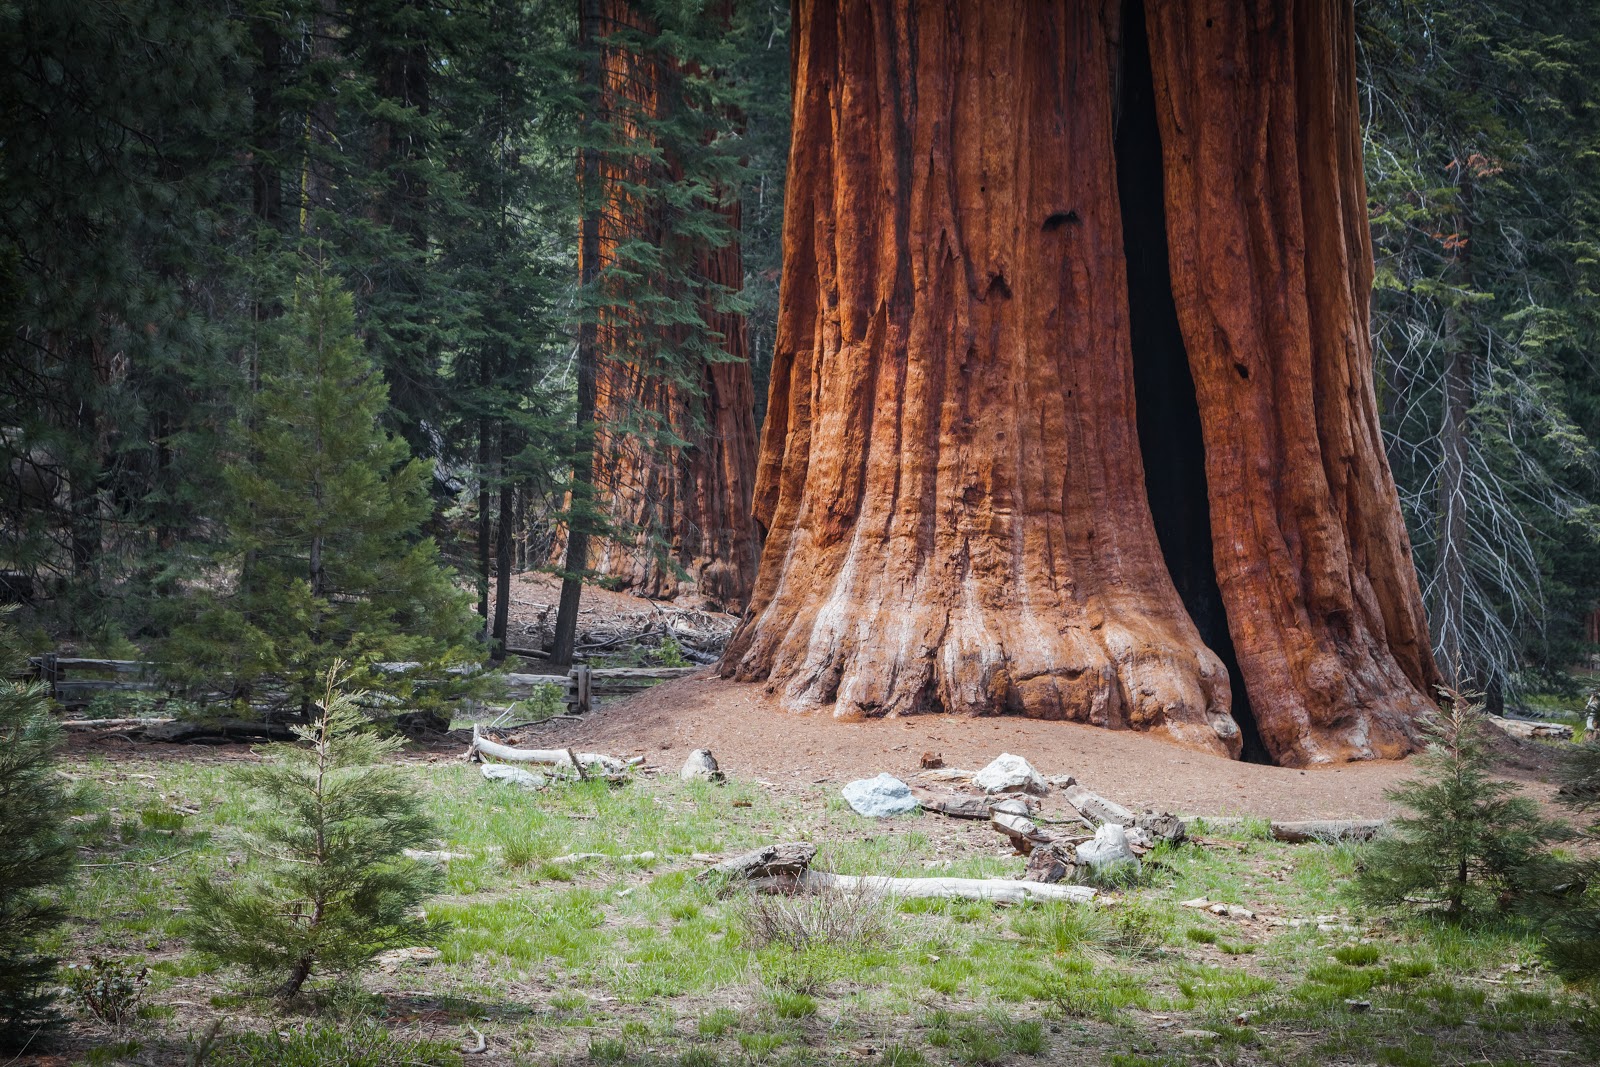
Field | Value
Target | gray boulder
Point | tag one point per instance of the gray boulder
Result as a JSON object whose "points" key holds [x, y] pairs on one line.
{"points": [[880, 797], [499, 772], [701, 765], [1010, 774], [1108, 850]]}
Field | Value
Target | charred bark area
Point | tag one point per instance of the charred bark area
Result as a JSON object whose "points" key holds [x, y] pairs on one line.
{"points": [[1168, 411]]}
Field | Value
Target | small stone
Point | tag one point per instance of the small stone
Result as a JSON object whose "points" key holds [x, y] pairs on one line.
{"points": [[1060, 781], [499, 772], [879, 797], [701, 766], [1231, 911], [1010, 774], [1200, 1035], [1197, 902]]}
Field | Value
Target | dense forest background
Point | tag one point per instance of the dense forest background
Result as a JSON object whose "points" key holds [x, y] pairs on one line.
{"points": [[249, 247]]}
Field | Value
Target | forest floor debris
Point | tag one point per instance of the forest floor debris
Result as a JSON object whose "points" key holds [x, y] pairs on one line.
{"points": [[581, 929]]}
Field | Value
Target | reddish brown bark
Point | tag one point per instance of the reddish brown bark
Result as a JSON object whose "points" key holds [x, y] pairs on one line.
{"points": [[682, 513], [950, 473], [1272, 271]]}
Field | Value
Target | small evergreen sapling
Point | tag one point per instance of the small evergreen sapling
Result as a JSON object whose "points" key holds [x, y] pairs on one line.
{"points": [[1571, 918], [329, 886], [1471, 838], [36, 852]]}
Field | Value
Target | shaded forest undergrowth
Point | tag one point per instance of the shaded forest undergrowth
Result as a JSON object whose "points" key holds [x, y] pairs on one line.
{"points": [[640, 961]]}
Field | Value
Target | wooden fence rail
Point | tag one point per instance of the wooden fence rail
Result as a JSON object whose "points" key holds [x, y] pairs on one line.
{"points": [[579, 686]]}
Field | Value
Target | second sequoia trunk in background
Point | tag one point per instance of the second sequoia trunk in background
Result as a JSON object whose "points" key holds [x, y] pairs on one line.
{"points": [[675, 442], [951, 473]]}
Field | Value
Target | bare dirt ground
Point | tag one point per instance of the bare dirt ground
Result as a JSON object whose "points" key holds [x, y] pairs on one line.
{"points": [[752, 737], [604, 613]]}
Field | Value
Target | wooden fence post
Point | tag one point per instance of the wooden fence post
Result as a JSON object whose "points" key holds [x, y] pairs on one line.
{"points": [[578, 690]]}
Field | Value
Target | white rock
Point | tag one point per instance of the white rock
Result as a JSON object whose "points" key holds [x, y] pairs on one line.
{"points": [[1010, 774], [1108, 849], [1197, 902], [499, 772], [701, 765], [879, 797]]}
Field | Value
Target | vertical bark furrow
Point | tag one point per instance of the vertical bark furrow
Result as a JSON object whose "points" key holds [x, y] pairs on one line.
{"points": [[1262, 176], [946, 474]]}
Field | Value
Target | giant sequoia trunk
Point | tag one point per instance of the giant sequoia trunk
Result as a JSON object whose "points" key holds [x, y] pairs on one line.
{"points": [[681, 511], [953, 473]]}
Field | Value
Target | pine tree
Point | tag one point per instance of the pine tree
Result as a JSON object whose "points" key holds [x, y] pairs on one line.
{"points": [[1481, 124], [329, 886], [37, 853], [1471, 839], [323, 523]]}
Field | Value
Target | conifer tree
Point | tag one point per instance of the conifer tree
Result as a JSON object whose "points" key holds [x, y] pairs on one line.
{"points": [[37, 852], [329, 886], [1471, 838], [323, 528]]}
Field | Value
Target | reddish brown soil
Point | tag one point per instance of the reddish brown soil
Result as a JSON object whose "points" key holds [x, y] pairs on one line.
{"points": [[601, 612], [753, 737]]}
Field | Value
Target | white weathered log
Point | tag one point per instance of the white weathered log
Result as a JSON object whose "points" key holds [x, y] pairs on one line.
{"points": [[94, 724], [999, 889], [630, 857], [1526, 730], [557, 757], [1098, 808]]}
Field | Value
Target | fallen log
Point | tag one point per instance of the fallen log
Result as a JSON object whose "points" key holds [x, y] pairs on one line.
{"points": [[105, 724], [786, 867], [1051, 863], [558, 757], [1097, 808], [965, 805], [768, 861], [1529, 730], [1300, 831], [1022, 831], [630, 857], [223, 731], [997, 889]]}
